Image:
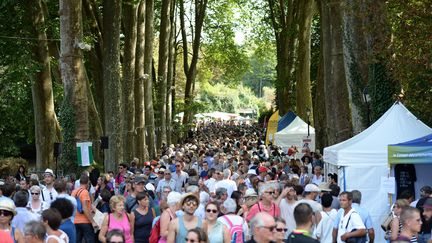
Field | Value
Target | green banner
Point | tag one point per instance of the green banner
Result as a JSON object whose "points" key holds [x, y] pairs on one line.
{"points": [[409, 154]]}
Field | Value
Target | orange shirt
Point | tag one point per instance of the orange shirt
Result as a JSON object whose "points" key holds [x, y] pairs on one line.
{"points": [[84, 197]]}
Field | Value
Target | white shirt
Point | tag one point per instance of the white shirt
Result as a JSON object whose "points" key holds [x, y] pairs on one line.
{"points": [[316, 207], [230, 185], [287, 213], [49, 195], [355, 222], [180, 180], [317, 180], [235, 220], [210, 184], [324, 228]]}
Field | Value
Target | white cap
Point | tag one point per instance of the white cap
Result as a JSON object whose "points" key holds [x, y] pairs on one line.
{"points": [[252, 172], [149, 187], [49, 171], [312, 188]]}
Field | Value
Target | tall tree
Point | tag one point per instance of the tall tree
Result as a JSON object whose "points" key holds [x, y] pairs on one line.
{"points": [[172, 61], [338, 115], [130, 32], [43, 101], [140, 143], [190, 69], [72, 67], [283, 15], [303, 85], [148, 78], [164, 48], [112, 85]]}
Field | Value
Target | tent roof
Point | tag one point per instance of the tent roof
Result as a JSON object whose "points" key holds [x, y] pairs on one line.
{"points": [[286, 120], [398, 124], [423, 141], [297, 126]]}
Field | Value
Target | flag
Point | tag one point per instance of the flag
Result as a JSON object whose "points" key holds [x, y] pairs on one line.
{"points": [[84, 153]]}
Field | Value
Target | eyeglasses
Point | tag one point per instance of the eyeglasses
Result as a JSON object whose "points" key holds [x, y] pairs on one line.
{"points": [[190, 240], [270, 228], [35, 193], [281, 229], [211, 211], [270, 192], [6, 213], [191, 203]]}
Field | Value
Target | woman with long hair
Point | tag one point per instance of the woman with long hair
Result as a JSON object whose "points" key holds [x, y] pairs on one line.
{"points": [[395, 224], [21, 173], [36, 205], [118, 219], [142, 217], [217, 231]]}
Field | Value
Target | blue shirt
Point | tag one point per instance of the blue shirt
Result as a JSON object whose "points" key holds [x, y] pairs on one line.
{"points": [[69, 228], [364, 215], [22, 217]]}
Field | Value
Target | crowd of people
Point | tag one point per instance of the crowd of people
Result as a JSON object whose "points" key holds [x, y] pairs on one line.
{"points": [[222, 185]]}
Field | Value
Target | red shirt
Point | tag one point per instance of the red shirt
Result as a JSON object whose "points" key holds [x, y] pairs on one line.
{"points": [[259, 207]]}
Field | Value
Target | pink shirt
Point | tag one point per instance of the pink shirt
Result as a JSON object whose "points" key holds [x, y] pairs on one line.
{"points": [[122, 225], [259, 207]]}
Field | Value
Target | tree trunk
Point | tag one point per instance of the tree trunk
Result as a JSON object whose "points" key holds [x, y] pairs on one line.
{"points": [[171, 74], [284, 23], [140, 144], [303, 85], [43, 101], [191, 69], [112, 85], [148, 80], [338, 114], [130, 32], [164, 47], [72, 66]]}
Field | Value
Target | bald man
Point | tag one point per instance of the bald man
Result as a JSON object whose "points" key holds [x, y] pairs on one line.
{"points": [[263, 228]]}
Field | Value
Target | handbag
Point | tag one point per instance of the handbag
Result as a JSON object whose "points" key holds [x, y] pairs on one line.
{"points": [[361, 239], [386, 223]]}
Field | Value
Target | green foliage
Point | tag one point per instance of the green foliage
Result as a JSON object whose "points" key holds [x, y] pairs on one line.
{"points": [[67, 121], [223, 98]]}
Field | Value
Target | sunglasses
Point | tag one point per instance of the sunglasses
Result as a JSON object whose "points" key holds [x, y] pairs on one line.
{"points": [[281, 229], [211, 211], [167, 173], [6, 213], [191, 203], [270, 228], [271, 192], [35, 193]]}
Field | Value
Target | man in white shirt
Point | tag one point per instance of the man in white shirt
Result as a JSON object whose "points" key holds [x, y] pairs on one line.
{"points": [[351, 224], [287, 205], [324, 229], [227, 183], [48, 193], [180, 177]]}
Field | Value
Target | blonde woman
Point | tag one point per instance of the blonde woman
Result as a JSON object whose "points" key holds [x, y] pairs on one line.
{"points": [[36, 205], [118, 219]]}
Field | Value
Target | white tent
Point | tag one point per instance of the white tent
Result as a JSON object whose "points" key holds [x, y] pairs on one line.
{"points": [[361, 161], [293, 135]]}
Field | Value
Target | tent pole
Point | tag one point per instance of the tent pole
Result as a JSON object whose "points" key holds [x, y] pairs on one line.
{"points": [[344, 180]]}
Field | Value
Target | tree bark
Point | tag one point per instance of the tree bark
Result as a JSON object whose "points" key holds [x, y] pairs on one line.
{"points": [[191, 69], [112, 85], [172, 55], [130, 32], [148, 80], [72, 66], [303, 85], [43, 101], [338, 114], [140, 144], [164, 46]]}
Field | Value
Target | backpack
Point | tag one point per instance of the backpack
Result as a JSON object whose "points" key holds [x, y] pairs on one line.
{"points": [[236, 231], [155, 232], [79, 204]]}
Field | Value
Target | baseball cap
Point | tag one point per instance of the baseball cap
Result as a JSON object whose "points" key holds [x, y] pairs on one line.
{"points": [[262, 169], [49, 171], [312, 188], [428, 203], [138, 180]]}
